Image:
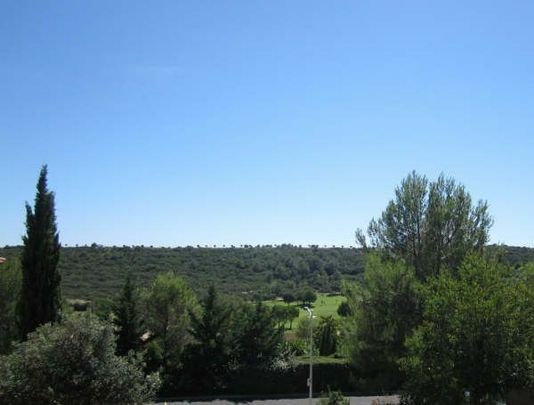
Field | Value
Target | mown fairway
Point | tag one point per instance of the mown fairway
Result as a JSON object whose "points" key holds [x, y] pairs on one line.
{"points": [[326, 305]]}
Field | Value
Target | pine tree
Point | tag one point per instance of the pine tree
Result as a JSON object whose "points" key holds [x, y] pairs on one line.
{"points": [[207, 360], [40, 300], [128, 319], [258, 341]]}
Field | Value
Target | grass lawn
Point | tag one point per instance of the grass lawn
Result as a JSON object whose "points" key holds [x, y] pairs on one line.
{"points": [[325, 305]]}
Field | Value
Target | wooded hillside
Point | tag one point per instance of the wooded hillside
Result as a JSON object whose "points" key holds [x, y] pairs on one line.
{"points": [[97, 272]]}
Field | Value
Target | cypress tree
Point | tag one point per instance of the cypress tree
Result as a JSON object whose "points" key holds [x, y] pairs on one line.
{"points": [[40, 300]]}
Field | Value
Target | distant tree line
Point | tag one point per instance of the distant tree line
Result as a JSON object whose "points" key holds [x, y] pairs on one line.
{"points": [[96, 274]]}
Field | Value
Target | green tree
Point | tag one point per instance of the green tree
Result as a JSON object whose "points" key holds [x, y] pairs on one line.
{"points": [[10, 279], [279, 315], [343, 309], [304, 327], [73, 362], [258, 341], [430, 225], [40, 300], [384, 309], [326, 336], [207, 360], [307, 296], [168, 303], [292, 313], [128, 320], [282, 314], [477, 336], [288, 297]]}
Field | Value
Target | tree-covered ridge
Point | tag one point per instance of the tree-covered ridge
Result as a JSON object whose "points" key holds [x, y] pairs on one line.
{"points": [[99, 272]]}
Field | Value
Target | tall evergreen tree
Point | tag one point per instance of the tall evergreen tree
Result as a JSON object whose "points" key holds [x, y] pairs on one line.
{"points": [[207, 360], [40, 300], [258, 341], [128, 319]]}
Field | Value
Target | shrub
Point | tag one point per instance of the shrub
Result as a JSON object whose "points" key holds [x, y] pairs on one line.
{"points": [[334, 398], [476, 342], [73, 363]]}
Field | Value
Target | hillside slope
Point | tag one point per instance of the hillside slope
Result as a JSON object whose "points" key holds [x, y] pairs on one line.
{"points": [[98, 272]]}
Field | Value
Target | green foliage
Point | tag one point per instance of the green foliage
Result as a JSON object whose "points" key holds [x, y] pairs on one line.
{"points": [[334, 398], [279, 315], [325, 305], [40, 300], [326, 336], [307, 296], [385, 309], [207, 360], [168, 303], [258, 342], [73, 362], [304, 328], [127, 320], [430, 225], [476, 336], [284, 314], [288, 297], [292, 312], [98, 273], [344, 309], [10, 280]]}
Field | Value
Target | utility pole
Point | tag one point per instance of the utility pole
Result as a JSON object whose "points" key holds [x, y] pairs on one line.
{"points": [[310, 378]]}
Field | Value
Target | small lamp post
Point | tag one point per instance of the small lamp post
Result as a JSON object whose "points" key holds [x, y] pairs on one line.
{"points": [[310, 378]]}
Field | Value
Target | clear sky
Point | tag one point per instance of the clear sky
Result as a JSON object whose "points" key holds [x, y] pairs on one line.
{"points": [[230, 122]]}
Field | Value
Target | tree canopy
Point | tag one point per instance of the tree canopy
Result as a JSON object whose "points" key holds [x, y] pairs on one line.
{"points": [[40, 300], [476, 341], [168, 304], [128, 320], [430, 225], [384, 310], [207, 359]]}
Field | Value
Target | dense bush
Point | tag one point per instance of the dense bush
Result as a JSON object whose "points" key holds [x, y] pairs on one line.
{"points": [[384, 309], [476, 342], [326, 336], [73, 363], [10, 282], [168, 303]]}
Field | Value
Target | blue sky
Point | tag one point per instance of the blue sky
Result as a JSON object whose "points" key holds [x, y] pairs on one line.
{"points": [[230, 122]]}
